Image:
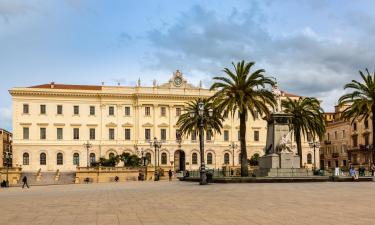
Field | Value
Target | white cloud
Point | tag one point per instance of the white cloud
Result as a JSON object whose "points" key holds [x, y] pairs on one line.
{"points": [[304, 61]]}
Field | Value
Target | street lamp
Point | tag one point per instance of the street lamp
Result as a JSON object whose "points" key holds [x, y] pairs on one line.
{"points": [[314, 144], [233, 146], [8, 157], [87, 145], [201, 106], [156, 144]]}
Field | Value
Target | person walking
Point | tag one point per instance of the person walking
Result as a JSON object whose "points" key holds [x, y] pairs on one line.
{"points": [[372, 169], [24, 180], [170, 174]]}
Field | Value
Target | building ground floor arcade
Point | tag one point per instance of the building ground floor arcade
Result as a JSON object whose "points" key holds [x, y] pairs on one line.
{"points": [[53, 157]]}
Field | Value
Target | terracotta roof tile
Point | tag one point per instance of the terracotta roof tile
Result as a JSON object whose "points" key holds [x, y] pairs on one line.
{"points": [[68, 86], [286, 94]]}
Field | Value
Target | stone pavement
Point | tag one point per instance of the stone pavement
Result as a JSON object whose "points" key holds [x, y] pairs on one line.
{"points": [[188, 203]]}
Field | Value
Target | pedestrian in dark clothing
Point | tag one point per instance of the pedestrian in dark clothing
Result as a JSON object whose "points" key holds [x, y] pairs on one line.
{"points": [[170, 174], [372, 169], [24, 180]]}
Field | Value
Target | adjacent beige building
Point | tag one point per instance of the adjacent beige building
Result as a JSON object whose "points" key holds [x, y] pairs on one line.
{"points": [[51, 123], [5, 146], [346, 142]]}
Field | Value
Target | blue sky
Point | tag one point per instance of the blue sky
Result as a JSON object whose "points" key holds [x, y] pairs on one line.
{"points": [[312, 47]]}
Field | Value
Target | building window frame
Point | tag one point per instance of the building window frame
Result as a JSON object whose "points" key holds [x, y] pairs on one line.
{"points": [[127, 134], [76, 159], [59, 109], [43, 159], [75, 133], [59, 133], [25, 108], [76, 110], [59, 159], [25, 159], [111, 134]]}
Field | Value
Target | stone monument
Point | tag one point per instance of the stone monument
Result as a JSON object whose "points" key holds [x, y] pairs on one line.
{"points": [[280, 157]]}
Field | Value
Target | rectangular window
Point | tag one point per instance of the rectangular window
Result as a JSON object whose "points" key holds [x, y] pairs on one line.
{"points": [[178, 111], [127, 111], [111, 134], [194, 136], [42, 109], [147, 111], [178, 134], [111, 111], [147, 134], [92, 110], [366, 124], [26, 108], [92, 133], [25, 133], [367, 142], [59, 133], [127, 134], [76, 110], [256, 135], [163, 111], [226, 135], [355, 140], [309, 137], [59, 109], [163, 134], [76, 133], [42, 133], [209, 135]]}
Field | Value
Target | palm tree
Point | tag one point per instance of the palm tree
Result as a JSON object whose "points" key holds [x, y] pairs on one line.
{"points": [[360, 104], [191, 122], [307, 117], [243, 91]]}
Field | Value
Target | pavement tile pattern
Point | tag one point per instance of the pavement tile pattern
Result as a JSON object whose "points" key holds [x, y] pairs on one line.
{"points": [[175, 203]]}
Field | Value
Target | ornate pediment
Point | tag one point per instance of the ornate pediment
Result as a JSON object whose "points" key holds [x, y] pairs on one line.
{"points": [[178, 81], [127, 125], [226, 126], [163, 125], [147, 125], [111, 124]]}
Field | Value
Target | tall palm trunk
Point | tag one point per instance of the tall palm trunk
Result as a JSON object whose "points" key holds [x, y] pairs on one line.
{"points": [[299, 145], [244, 163], [373, 132]]}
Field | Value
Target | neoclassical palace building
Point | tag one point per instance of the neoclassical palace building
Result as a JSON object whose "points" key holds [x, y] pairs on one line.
{"points": [[52, 122]]}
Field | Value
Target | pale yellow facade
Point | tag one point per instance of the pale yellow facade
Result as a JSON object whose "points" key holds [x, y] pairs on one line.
{"points": [[52, 110]]}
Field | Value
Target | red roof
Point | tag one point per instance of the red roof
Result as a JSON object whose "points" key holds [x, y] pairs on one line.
{"points": [[286, 94], [68, 86]]}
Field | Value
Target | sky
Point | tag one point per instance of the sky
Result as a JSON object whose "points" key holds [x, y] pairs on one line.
{"points": [[312, 47]]}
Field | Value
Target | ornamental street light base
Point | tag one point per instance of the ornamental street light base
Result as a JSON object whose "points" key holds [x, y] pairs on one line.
{"points": [[203, 180], [156, 177]]}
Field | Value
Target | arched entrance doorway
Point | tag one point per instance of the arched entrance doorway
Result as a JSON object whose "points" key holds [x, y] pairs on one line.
{"points": [[179, 160]]}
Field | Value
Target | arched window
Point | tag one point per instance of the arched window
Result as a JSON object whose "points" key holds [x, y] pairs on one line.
{"points": [[148, 158], [59, 159], [111, 155], [92, 158], [164, 158], [25, 158], [209, 158], [76, 159], [43, 159], [309, 158], [226, 158], [194, 158]]}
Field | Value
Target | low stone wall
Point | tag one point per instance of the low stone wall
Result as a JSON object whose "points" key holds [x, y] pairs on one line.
{"points": [[14, 174], [108, 174]]}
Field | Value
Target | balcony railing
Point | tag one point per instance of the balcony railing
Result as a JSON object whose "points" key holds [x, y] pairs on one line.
{"points": [[327, 142]]}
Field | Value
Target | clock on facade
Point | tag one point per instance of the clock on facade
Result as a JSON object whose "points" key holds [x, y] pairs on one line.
{"points": [[177, 81]]}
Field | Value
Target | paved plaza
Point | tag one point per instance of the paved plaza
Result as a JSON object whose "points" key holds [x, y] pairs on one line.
{"points": [[188, 203]]}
